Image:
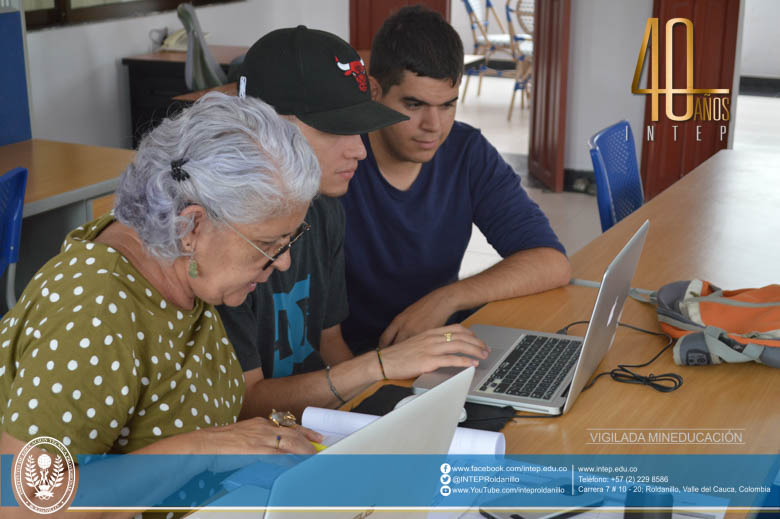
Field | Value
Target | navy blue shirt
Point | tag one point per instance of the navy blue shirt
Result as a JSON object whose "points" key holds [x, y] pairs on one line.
{"points": [[401, 245]]}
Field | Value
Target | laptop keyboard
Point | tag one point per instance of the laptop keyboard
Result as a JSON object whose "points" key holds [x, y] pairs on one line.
{"points": [[534, 368]]}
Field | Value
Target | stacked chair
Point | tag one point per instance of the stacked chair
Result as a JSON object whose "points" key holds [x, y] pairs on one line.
{"points": [[486, 44], [522, 48]]}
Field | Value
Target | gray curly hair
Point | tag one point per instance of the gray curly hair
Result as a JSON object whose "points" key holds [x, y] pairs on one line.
{"points": [[244, 164]]}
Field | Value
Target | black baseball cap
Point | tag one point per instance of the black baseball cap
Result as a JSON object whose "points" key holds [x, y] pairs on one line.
{"points": [[316, 76]]}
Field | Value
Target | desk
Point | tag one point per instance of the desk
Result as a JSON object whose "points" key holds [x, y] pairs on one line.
{"points": [[469, 60], [231, 89], [719, 223], [62, 180], [157, 77]]}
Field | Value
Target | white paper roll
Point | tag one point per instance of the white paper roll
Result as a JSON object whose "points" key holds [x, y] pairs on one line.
{"points": [[335, 425]]}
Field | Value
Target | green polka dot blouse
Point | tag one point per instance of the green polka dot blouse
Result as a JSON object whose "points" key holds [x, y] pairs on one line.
{"points": [[94, 356]]}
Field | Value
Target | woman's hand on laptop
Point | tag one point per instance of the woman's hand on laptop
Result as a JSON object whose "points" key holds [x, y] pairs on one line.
{"points": [[449, 346]]}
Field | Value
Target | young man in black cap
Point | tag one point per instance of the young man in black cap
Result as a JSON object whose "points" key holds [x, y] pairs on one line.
{"points": [[287, 334], [425, 182]]}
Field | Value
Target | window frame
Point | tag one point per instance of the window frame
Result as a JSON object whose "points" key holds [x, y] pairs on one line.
{"points": [[62, 14]]}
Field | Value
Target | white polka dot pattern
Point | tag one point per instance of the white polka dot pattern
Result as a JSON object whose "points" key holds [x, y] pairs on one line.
{"points": [[111, 366]]}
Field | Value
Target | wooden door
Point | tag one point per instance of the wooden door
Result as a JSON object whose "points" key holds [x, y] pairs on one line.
{"points": [[548, 107], [366, 16], [665, 159]]}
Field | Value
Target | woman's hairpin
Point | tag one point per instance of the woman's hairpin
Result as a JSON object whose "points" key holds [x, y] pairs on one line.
{"points": [[177, 172]]}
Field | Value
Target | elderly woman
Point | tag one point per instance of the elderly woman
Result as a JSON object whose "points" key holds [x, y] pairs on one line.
{"points": [[115, 346]]}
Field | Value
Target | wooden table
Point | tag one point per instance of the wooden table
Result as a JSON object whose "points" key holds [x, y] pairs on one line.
{"points": [[231, 89], [157, 77], [62, 182], [62, 173], [719, 223], [469, 60]]}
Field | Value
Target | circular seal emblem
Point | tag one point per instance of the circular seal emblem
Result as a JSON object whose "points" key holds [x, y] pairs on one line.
{"points": [[50, 475]]}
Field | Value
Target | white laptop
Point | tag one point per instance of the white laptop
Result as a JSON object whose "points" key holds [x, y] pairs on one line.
{"points": [[544, 372], [425, 425]]}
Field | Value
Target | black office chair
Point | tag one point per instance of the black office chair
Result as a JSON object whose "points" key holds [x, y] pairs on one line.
{"points": [[201, 69]]}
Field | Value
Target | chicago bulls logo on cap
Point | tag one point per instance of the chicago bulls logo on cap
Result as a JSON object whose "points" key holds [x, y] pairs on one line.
{"points": [[356, 69]]}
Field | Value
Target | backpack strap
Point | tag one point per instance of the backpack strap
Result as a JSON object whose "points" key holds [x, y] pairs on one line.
{"points": [[713, 346]]}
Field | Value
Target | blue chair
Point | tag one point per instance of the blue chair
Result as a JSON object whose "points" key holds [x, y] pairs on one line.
{"points": [[619, 186], [12, 187]]}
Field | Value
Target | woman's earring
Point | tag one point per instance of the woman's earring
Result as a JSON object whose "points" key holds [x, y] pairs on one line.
{"points": [[193, 268]]}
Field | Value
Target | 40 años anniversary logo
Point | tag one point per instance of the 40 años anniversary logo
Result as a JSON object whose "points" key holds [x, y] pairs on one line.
{"points": [[710, 104], [51, 475]]}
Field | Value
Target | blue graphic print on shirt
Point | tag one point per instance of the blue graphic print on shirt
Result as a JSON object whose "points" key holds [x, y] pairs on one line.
{"points": [[291, 343]]}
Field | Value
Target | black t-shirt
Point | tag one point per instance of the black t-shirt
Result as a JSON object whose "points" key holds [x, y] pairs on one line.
{"points": [[280, 324]]}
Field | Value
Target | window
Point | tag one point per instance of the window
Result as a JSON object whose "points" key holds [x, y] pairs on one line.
{"points": [[51, 13]]}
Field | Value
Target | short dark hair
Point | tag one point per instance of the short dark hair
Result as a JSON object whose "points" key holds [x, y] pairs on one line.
{"points": [[419, 40]]}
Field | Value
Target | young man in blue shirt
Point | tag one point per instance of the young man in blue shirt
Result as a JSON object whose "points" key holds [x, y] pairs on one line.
{"points": [[412, 202]]}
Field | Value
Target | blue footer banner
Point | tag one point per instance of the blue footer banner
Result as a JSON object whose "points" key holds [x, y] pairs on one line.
{"points": [[406, 481]]}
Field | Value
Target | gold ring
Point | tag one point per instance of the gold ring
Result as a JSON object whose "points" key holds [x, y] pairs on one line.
{"points": [[282, 418], [447, 336]]}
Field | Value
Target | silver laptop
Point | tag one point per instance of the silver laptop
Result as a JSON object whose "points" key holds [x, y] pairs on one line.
{"points": [[425, 425], [544, 372]]}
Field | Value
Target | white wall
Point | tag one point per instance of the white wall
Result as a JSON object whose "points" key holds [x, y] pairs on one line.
{"points": [[79, 88], [604, 43], [459, 20], [761, 39]]}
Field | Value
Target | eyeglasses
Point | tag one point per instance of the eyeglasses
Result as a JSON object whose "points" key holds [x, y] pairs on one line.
{"points": [[284, 248]]}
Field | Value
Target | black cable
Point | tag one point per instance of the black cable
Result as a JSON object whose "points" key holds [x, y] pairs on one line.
{"points": [[565, 329], [665, 382]]}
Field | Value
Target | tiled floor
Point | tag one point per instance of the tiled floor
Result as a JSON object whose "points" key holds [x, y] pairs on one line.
{"points": [[574, 216], [488, 111]]}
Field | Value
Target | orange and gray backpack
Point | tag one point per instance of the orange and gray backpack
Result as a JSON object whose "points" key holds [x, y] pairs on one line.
{"points": [[714, 326]]}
